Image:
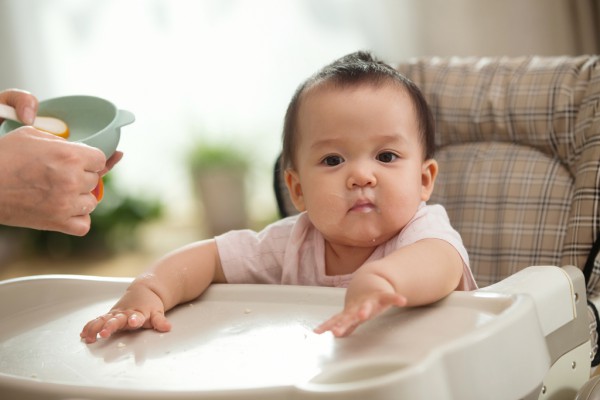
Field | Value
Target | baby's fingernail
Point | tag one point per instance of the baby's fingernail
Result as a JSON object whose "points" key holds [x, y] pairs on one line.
{"points": [[134, 320]]}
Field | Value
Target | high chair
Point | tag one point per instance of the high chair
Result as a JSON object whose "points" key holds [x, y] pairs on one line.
{"points": [[519, 154]]}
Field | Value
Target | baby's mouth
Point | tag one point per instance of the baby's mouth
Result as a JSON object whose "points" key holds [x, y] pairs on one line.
{"points": [[363, 206]]}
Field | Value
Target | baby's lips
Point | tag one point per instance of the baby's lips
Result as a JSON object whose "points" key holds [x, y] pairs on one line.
{"points": [[98, 191], [363, 207]]}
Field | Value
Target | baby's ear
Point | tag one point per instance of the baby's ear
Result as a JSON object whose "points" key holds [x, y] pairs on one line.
{"points": [[292, 181], [429, 172]]}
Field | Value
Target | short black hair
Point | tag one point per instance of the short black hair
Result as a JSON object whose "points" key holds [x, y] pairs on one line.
{"points": [[358, 68]]}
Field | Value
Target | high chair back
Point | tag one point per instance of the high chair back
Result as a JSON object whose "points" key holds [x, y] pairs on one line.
{"points": [[519, 152]]}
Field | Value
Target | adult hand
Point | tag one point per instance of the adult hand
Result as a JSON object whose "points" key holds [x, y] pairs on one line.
{"points": [[23, 102], [111, 162], [46, 181]]}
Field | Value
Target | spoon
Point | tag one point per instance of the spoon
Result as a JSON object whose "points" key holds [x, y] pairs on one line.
{"points": [[51, 125]]}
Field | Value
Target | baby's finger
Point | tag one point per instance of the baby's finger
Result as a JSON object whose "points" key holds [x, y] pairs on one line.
{"points": [[135, 320], [325, 326], [159, 322], [394, 299], [116, 322], [91, 329], [345, 328], [365, 312], [338, 324]]}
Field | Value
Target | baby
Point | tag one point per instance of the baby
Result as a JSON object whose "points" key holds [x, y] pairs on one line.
{"points": [[358, 143]]}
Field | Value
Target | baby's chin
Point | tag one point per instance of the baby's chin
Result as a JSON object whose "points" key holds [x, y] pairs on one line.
{"points": [[361, 239], [358, 230]]}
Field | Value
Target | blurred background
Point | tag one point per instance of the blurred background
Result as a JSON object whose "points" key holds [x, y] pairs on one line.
{"points": [[209, 82]]}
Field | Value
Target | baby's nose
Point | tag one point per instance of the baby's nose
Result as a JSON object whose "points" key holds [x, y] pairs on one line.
{"points": [[361, 177]]}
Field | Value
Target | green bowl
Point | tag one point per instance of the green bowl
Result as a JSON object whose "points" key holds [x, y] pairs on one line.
{"points": [[91, 120]]}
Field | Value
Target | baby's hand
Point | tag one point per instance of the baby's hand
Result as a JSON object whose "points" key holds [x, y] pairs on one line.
{"points": [[137, 309], [362, 309]]}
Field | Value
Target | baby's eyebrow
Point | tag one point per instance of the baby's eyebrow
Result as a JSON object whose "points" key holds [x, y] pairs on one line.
{"points": [[384, 139], [392, 138], [324, 142]]}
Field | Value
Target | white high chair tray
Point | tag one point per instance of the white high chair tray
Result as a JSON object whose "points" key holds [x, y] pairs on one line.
{"points": [[256, 341]]}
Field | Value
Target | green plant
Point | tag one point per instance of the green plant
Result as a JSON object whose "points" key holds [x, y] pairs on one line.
{"points": [[212, 155]]}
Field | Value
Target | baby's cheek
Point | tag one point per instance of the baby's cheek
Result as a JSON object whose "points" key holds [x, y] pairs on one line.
{"points": [[326, 221]]}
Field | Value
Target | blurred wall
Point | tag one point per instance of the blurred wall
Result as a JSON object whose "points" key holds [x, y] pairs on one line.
{"points": [[227, 68], [23, 59], [491, 27]]}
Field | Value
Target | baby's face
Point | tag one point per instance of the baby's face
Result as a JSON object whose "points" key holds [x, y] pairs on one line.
{"points": [[360, 172]]}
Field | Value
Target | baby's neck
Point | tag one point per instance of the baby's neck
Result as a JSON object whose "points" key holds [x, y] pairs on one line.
{"points": [[344, 260]]}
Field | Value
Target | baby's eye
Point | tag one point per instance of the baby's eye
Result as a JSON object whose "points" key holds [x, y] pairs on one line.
{"points": [[386, 157], [333, 160]]}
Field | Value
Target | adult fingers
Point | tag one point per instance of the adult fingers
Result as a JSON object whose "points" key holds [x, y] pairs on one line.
{"points": [[77, 226], [85, 204], [93, 158], [89, 182], [24, 103], [74, 154], [111, 162], [77, 221]]}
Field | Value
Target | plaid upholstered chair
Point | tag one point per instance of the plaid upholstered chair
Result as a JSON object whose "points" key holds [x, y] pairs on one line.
{"points": [[518, 145]]}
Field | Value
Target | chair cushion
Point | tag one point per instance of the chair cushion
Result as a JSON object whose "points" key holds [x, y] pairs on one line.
{"points": [[510, 121], [510, 203]]}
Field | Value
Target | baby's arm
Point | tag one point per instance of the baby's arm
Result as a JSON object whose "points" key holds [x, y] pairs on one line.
{"points": [[418, 274], [178, 277]]}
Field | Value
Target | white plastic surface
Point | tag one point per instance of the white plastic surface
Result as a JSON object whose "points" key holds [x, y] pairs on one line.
{"points": [[256, 341], [552, 295]]}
